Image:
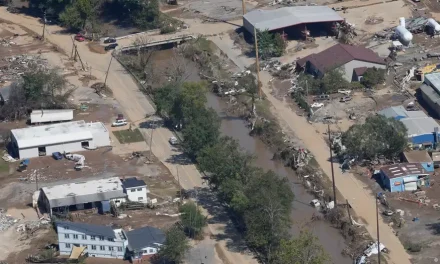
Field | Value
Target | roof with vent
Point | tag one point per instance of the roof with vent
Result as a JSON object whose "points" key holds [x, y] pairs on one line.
{"points": [[84, 192], [339, 55]]}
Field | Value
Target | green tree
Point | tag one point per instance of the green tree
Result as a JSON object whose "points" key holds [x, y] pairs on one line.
{"points": [[377, 136], [175, 246], [79, 13], [372, 77], [267, 217], [192, 219], [270, 45], [333, 81], [303, 249]]}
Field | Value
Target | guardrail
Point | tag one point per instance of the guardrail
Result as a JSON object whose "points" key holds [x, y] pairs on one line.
{"points": [[157, 43]]}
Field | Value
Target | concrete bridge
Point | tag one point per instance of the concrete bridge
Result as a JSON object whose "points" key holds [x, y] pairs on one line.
{"points": [[177, 40]]}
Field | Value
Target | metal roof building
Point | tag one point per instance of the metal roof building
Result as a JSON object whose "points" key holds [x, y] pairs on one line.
{"points": [[144, 242], [399, 112], [80, 193], [288, 16], [404, 177], [44, 140], [430, 92]]}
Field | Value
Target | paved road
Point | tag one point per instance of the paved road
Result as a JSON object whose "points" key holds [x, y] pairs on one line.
{"points": [[137, 107]]}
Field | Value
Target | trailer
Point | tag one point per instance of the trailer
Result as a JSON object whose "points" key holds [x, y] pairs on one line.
{"points": [[48, 116]]}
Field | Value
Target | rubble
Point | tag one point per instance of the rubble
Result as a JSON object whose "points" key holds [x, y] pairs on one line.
{"points": [[6, 221], [32, 226], [13, 67]]}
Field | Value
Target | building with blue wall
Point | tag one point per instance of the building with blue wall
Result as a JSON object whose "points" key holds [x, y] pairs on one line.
{"points": [[421, 128], [404, 177]]}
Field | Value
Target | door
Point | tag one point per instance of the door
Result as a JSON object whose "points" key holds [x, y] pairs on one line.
{"points": [[410, 186]]}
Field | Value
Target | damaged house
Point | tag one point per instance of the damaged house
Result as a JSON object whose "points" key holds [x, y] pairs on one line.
{"points": [[404, 177]]}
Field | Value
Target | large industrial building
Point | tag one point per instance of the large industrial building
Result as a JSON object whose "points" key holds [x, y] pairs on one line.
{"points": [[82, 195], [44, 140], [422, 129], [430, 92], [353, 61], [292, 20]]}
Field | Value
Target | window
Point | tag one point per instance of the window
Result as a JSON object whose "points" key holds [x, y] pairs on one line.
{"points": [[140, 198], [75, 236], [139, 189], [93, 247], [132, 190], [83, 237], [66, 228], [120, 249], [92, 237], [111, 239], [85, 246], [66, 235], [102, 248], [67, 245], [101, 238], [150, 250], [110, 248]]}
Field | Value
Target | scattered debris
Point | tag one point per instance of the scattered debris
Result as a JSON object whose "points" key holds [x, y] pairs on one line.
{"points": [[6, 221], [12, 68]]}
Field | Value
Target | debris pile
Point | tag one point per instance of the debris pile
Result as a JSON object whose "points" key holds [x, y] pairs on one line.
{"points": [[32, 226], [6, 221], [277, 69], [373, 20], [7, 42], [13, 67], [33, 176], [295, 157]]}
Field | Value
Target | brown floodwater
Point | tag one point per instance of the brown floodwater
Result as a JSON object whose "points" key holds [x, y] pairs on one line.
{"points": [[235, 127]]}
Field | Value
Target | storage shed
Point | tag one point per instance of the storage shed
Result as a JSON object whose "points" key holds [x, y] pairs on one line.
{"points": [[62, 137], [419, 156], [404, 177]]}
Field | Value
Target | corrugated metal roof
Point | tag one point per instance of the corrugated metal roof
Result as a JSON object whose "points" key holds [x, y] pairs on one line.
{"points": [[430, 93], [84, 192], [89, 229], [417, 156], [419, 125], [56, 133], [290, 16], [433, 79], [400, 111], [144, 237], [403, 169]]}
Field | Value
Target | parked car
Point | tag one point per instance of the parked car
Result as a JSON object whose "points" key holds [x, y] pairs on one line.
{"points": [[173, 141], [111, 46], [321, 97], [57, 156], [317, 105], [109, 40], [119, 122], [345, 99], [346, 92], [79, 37]]}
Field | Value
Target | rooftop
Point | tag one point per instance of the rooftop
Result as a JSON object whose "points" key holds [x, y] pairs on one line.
{"points": [[339, 55], [84, 192], [433, 79], [403, 169], [435, 156], [431, 93], [400, 111], [417, 156], [56, 133], [419, 125], [133, 182], [290, 16], [90, 229], [144, 237]]}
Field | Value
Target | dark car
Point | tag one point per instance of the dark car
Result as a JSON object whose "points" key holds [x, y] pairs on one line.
{"points": [[111, 46], [57, 156], [110, 40], [321, 97]]}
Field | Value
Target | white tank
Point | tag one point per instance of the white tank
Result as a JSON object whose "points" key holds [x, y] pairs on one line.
{"points": [[402, 22], [433, 24], [403, 34]]}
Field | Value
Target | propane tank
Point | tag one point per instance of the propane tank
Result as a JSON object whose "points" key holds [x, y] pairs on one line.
{"points": [[402, 22], [434, 25], [403, 35]]}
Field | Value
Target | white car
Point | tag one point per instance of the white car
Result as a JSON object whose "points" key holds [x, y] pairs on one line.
{"points": [[173, 141], [120, 122], [346, 92], [317, 105]]}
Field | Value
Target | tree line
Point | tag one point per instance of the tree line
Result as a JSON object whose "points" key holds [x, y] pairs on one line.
{"points": [[259, 200]]}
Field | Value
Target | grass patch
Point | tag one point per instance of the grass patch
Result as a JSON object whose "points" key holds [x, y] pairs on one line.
{"points": [[127, 136], [4, 166]]}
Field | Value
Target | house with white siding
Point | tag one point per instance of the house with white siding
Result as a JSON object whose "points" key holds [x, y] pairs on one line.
{"points": [[135, 189]]}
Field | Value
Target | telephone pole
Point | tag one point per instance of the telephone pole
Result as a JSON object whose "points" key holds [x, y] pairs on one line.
{"points": [[377, 228], [44, 24], [243, 6], [108, 69], [331, 162], [258, 62]]}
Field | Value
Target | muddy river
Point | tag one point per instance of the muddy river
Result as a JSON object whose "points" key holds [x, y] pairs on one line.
{"points": [[234, 127]]}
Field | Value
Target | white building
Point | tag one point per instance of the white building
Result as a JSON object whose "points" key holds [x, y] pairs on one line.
{"points": [[82, 195], [136, 190], [51, 115], [144, 242], [44, 140]]}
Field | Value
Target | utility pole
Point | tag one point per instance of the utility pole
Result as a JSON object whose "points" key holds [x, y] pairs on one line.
{"points": [[36, 181], [307, 89], [244, 7], [331, 162], [348, 211], [377, 228], [108, 69], [258, 62], [44, 24], [178, 180], [151, 139]]}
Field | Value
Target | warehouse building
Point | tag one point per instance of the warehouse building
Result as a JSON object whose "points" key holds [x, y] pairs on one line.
{"points": [[353, 61], [44, 140], [422, 129], [430, 92], [292, 20], [82, 195], [404, 177]]}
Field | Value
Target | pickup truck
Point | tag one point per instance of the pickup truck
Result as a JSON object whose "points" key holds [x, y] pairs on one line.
{"points": [[120, 122]]}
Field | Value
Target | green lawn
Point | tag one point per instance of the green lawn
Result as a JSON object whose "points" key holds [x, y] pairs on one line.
{"points": [[127, 136]]}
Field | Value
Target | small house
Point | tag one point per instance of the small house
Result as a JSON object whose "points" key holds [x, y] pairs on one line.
{"points": [[419, 156], [436, 159], [144, 242], [135, 189], [404, 177]]}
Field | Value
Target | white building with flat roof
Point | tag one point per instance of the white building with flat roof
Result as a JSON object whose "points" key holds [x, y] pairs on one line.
{"points": [[44, 140], [82, 195]]}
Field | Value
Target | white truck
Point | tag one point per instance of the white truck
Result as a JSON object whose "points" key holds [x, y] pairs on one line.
{"points": [[120, 122]]}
